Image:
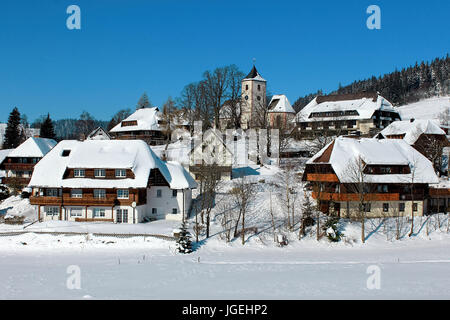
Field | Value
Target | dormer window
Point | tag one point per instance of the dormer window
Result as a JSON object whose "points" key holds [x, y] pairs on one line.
{"points": [[121, 173], [65, 153], [78, 173]]}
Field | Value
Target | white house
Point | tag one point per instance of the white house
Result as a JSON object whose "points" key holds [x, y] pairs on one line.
{"points": [[109, 180]]}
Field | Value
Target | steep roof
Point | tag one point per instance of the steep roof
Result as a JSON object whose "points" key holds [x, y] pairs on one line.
{"points": [[364, 104], [98, 134], [121, 154], [412, 129], [33, 148], [280, 103], [145, 118], [254, 75], [345, 151]]}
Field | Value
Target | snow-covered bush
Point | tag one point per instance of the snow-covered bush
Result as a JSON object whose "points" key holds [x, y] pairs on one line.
{"points": [[332, 230]]}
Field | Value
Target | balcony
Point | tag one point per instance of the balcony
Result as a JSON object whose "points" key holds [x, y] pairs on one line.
{"points": [[86, 200], [19, 166], [16, 180], [328, 177], [326, 196]]}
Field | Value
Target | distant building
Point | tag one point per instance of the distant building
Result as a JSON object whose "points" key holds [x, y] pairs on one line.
{"points": [[98, 134], [109, 180], [391, 177], [145, 124], [280, 113], [361, 114], [425, 136], [19, 163]]}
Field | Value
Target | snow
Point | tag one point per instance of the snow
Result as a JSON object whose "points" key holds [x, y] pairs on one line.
{"points": [[3, 154], [116, 154], [33, 147], [425, 109], [147, 119], [35, 265], [378, 152], [413, 130], [16, 206], [282, 104], [364, 106]]}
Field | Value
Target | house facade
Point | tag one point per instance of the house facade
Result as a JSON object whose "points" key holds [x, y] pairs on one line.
{"points": [[145, 124], [19, 164], [363, 114], [280, 113], [109, 180], [381, 177]]}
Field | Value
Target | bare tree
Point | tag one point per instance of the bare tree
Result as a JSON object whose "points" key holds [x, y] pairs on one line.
{"points": [[209, 177], [359, 186], [288, 185], [242, 193], [216, 84]]}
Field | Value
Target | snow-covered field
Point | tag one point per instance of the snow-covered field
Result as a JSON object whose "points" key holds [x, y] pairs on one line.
{"points": [[425, 109]]}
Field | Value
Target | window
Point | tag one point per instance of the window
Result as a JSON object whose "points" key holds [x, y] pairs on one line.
{"points": [[258, 98], [159, 193], [401, 207], [174, 211], [366, 207], [246, 87], [385, 170], [99, 193], [415, 207], [51, 211], [174, 193], [99, 173], [121, 173], [78, 173], [385, 207], [76, 212], [122, 215], [382, 188], [76, 193], [259, 87], [154, 210], [51, 192], [246, 97], [99, 213], [65, 153], [123, 194]]}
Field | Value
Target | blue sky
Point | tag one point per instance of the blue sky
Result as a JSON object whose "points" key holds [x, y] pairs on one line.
{"points": [[127, 47]]}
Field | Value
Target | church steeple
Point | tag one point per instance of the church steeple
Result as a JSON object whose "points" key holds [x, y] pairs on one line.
{"points": [[254, 75], [253, 99]]}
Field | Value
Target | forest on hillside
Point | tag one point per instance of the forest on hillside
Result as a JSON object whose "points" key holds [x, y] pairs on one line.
{"points": [[421, 81]]}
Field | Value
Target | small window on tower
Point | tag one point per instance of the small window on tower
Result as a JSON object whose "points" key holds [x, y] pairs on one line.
{"points": [[246, 87], [259, 98], [259, 87], [246, 97]]}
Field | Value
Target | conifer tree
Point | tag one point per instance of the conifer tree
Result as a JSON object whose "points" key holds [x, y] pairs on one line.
{"points": [[143, 102], [184, 243], [47, 129], [13, 131]]}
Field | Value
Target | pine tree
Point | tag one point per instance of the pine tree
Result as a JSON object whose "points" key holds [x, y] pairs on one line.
{"points": [[143, 102], [47, 129], [13, 133], [184, 243]]}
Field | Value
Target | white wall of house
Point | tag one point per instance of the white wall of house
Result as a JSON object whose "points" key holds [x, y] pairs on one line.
{"points": [[166, 204]]}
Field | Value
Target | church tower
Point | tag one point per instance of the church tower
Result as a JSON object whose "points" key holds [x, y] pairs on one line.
{"points": [[253, 99]]}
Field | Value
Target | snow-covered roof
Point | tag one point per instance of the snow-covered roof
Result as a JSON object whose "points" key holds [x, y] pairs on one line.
{"points": [[98, 134], [101, 154], [364, 105], [280, 103], [254, 75], [225, 111], [412, 129], [146, 119], [347, 151], [33, 148], [29, 132], [4, 153]]}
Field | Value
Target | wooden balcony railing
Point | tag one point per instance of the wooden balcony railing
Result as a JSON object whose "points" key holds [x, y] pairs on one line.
{"points": [[86, 200], [326, 196], [19, 166], [16, 180], [328, 177]]}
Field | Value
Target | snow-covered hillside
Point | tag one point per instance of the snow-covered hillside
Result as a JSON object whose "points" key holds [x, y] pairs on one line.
{"points": [[425, 109]]}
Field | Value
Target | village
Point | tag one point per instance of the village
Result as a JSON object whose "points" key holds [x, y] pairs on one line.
{"points": [[261, 171]]}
